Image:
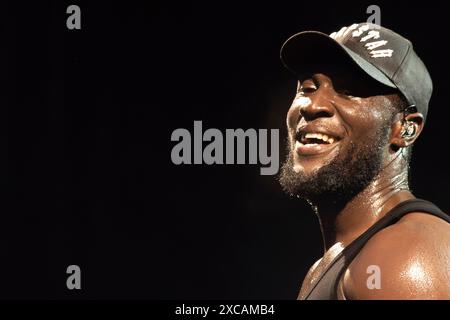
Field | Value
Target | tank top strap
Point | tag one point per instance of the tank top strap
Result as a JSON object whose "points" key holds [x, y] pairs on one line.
{"points": [[325, 286]]}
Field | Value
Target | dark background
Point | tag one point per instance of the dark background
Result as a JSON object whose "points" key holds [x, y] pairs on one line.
{"points": [[86, 120]]}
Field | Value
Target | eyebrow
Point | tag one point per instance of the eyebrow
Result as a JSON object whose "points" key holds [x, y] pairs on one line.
{"points": [[307, 80]]}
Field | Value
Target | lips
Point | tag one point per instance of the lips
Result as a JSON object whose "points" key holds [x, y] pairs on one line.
{"points": [[314, 141]]}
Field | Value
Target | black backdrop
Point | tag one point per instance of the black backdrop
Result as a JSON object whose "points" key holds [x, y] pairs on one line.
{"points": [[86, 120]]}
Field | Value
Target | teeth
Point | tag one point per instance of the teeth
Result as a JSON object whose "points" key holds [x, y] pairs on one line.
{"points": [[320, 136]]}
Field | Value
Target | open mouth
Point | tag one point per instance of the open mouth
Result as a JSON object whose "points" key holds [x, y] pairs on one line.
{"points": [[312, 143]]}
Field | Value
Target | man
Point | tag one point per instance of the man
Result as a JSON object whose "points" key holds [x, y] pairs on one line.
{"points": [[361, 103]]}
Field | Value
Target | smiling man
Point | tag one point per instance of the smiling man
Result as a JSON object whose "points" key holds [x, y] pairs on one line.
{"points": [[361, 103]]}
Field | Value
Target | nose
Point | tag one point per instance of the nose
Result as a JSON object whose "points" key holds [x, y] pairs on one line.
{"points": [[320, 106]]}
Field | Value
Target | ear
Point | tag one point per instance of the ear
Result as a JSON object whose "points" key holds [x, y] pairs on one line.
{"points": [[401, 137]]}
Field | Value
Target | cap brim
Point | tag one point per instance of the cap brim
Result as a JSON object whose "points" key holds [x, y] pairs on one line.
{"points": [[308, 51]]}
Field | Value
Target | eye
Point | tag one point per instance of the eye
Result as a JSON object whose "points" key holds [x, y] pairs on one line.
{"points": [[308, 89]]}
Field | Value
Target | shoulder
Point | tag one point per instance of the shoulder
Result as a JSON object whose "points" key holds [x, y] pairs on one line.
{"points": [[408, 260], [307, 281]]}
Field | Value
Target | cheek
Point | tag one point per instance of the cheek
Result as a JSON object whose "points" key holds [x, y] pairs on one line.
{"points": [[291, 118], [363, 122], [293, 114]]}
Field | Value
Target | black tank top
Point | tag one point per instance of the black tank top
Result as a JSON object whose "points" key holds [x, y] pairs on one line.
{"points": [[326, 286]]}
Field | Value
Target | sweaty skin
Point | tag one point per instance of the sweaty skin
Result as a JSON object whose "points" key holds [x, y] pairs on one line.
{"points": [[413, 255]]}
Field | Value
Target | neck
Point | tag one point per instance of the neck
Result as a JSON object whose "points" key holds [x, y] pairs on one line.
{"points": [[343, 223]]}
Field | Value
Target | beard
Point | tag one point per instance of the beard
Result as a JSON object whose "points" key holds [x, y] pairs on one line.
{"points": [[345, 176]]}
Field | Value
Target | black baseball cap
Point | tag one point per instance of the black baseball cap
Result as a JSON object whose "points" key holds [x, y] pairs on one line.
{"points": [[381, 53]]}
